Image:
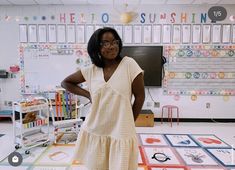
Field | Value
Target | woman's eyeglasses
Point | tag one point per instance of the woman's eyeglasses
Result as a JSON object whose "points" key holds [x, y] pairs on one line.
{"points": [[107, 44]]}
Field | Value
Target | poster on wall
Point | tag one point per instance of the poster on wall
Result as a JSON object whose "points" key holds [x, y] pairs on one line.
{"points": [[137, 34], [32, 33], [196, 33], [42, 33], [80, 33], [157, 33], [176, 34], [206, 33], [233, 34], [127, 34], [118, 28], [89, 31], [166, 39], [216, 33], [23, 33], [147, 34], [61, 32], [52, 33], [186, 33], [226, 33], [71, 34]]}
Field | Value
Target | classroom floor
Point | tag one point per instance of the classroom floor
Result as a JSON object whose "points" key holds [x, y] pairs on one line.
{"points": [[158, 139]]}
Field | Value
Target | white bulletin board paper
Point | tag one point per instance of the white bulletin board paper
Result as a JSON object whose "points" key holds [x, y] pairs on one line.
{"points": [[52, 33], [42, 33], [71, 34]]}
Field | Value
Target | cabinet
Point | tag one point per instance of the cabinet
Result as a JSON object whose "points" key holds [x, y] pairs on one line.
{"points": [[31, 123]]}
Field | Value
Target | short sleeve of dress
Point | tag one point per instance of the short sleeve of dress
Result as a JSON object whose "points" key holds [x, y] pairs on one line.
{"points": [[134, 69], [87, 73]]}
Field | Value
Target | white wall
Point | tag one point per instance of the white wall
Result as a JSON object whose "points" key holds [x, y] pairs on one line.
{"points": [[9, 42]]}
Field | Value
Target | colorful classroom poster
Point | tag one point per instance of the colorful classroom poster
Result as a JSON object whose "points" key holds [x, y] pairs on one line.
{"points": [[152, 140], [160, 156], [225, 156], [195, 156], [180, 140], [210, 141]]}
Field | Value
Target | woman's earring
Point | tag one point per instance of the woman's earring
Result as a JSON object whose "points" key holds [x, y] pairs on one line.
{"points": [[99, 56]]}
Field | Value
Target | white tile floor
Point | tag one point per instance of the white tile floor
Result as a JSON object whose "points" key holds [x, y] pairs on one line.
{"points": [[225, 131]]}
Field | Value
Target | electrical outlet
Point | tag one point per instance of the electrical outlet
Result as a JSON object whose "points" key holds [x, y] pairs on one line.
{"points": [[208, 105], [149, 104], [156, 104]]}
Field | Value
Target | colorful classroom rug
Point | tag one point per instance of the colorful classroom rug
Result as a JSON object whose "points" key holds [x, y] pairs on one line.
{"points": [[156, 152]]}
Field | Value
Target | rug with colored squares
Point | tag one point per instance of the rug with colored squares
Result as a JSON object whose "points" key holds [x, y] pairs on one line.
{"points": [[156, 152]]}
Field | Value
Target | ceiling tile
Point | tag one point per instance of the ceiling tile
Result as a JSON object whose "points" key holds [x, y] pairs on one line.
{"points": [[179, 2], [153, 2], [205, 1], [226, 2], [73, 2], [49, 2], [5, 2], [22, 2]]}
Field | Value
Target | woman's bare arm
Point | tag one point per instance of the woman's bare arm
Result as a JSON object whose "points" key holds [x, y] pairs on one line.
{"points": [[138, 92], [71, 83]]}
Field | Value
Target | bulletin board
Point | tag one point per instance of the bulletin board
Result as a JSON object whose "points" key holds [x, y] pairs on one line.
{"points": [[200, 70], [43, 67]]}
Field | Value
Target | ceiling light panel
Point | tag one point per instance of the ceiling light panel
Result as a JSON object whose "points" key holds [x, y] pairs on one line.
{"points": [[205, 1], [226, 2], [22, 2], [49, 2], [74, 2], [150, 2], [4, 2], [179, 2]]}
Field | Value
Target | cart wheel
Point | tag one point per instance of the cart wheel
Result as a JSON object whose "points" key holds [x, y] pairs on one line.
{"points": [[27, 152], [44, 145], [17, 146]]}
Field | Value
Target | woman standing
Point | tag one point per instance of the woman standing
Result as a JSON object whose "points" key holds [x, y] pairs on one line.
{"points": [[107, 140]]}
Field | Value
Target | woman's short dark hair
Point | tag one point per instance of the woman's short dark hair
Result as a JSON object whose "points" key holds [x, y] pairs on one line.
{"points": [[94, 44]]}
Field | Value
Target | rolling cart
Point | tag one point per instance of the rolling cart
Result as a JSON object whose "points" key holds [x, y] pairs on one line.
{"points": [[31, 133]]}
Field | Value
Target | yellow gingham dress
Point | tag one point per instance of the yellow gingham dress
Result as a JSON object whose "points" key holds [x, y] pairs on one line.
{"points": [[107, 140]]}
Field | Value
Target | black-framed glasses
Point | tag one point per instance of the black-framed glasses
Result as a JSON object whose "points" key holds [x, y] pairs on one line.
{"points": [[107, 44]]}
